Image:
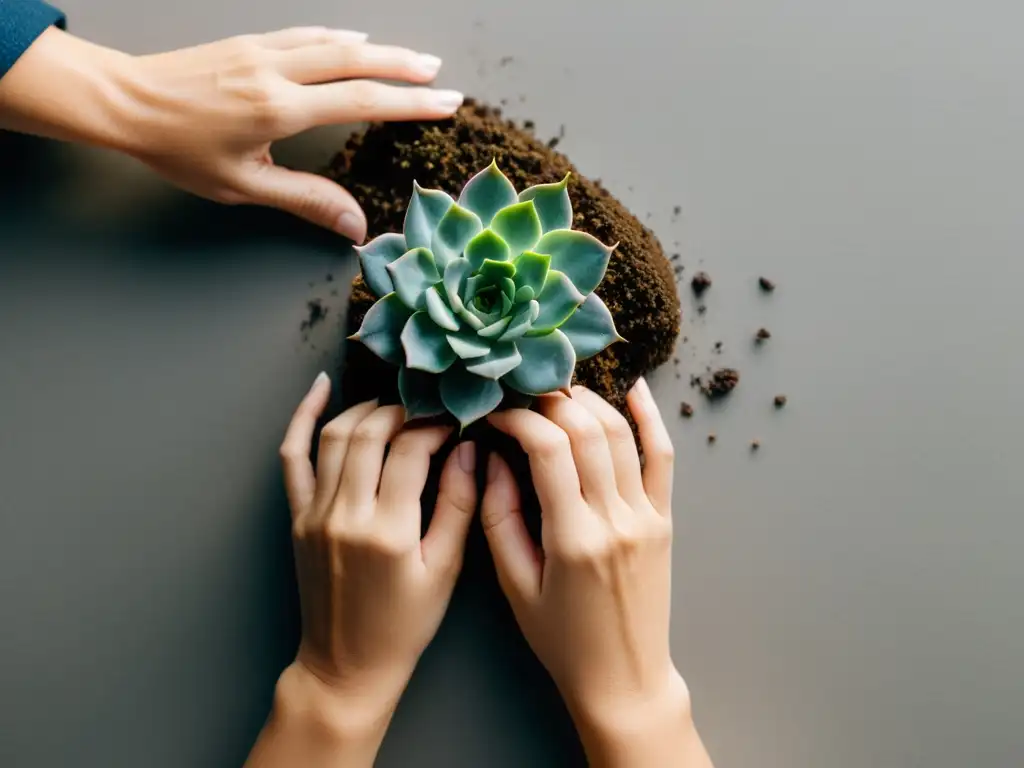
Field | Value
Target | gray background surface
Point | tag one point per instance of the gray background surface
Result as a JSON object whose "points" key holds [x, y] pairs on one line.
{"points": [[851, 596]]}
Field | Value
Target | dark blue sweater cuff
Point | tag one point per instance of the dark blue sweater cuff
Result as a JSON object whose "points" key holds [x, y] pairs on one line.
{"points": [[21, 22]]}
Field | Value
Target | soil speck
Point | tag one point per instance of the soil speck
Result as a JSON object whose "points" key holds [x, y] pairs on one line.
{"points": [[719, 383], [712, 437], [780, 401], [506, 60], [766, 285], [701, 309], [762, 335], [317, 312], [755, 445], [700, 283], [685, 410]]}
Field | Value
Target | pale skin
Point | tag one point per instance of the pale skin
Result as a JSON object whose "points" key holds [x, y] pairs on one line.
{"points": [[592, 598], [205, 117]]}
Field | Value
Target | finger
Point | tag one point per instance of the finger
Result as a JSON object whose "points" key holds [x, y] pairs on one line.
{"points": [[517, 559], [445, 541], [621, 444], [589, 446], [299, 480], [308, 196], [551, 463], [355, 101], [405, 475], [659, 456], [334, 442], [295, 37], [360, 476], [329, 62]]}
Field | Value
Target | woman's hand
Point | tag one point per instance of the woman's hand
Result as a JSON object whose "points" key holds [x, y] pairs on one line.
{"points": [[593, 601], [205, 117], [372, 592]]}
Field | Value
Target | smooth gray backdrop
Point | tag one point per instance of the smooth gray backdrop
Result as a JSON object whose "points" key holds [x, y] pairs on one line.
{"points": [[850, 596]]}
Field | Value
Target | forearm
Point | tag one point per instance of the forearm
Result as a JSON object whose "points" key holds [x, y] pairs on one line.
{"points": [[65, 88], [314, 726], [653, 733]]}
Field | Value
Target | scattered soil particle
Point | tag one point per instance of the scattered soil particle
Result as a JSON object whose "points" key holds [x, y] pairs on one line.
{"points": [[763, 335], [700, 283], [701, 309], [506, 60], [720, 383], [766, 285], [718, 347], [329, 278], [780, 401], [677, 210], [755, 445], [712, 438], [317, 312], [529, 125], [685, 410], [378, 167], [676, 256], [556, 140]]}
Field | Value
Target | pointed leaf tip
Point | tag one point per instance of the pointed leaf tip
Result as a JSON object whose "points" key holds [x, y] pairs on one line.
{"points": [[487, 193]]}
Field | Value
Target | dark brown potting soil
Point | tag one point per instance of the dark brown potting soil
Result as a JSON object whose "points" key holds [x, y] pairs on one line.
{"points": [[719, 383], [378, 167], [700, 283]]}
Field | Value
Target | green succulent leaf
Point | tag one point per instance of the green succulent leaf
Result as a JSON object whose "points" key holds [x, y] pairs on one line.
{"points": [[440, 312], [495, 271], [519, 226], [426, 346], [506, 305], [495, 329], [508, 287], [486, 246], [582, 257], [426, 209], [487, 193], [521, 322], [468, 345], [412, 274], [547, 364], [591, 328], [531, 271], [374, 258], [469, 397], [455, 276], [381, 329], [558, 301], [471, 318], [420, 394], [552, 202], [457, 227], [500, 360], [524, 294]]}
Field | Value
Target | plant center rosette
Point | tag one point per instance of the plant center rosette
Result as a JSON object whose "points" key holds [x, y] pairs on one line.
{"points": [[486, 299]]}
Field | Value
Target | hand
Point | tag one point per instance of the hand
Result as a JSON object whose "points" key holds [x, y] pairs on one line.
{"points": [[372, 593], [593, 601], [205, 117]]}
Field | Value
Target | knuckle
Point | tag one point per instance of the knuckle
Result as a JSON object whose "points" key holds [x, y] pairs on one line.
{"points": [[363, 95], [289, 452], [334, 433], [368, 432], [406, 445], [552, 443]]}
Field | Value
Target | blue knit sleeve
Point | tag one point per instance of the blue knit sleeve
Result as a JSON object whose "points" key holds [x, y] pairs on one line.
{"points": [[21, 22]]}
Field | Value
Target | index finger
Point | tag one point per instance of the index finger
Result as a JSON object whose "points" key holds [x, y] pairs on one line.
{"points": [[299, 480], [551, 463]]}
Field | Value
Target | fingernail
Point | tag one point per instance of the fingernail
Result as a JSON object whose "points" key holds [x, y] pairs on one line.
{"points": [[467, 457], [448, 101], [349, 36], [320, 379], [642, 390], [492, 467], [351, 226], [428, 65]]}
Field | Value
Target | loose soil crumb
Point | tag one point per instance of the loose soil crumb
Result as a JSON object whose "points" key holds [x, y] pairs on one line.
{"points": [[712, 437], [317, 312], [505, 61], [718, 347], [766, 285], [378, 167], [685, 410], [755, 445], [720, 383], [763, 335], [701, 309], [700, 283], [780, 401]]}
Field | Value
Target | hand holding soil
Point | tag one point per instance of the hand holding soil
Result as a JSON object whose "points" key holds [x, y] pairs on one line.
{"points": [[205, 117]]}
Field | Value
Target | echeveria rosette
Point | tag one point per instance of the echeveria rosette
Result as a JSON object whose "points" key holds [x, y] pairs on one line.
{"points": [[493, 289]]}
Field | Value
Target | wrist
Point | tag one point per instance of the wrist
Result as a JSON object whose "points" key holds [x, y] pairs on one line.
{"points": [[66, 88], [637, 729]]}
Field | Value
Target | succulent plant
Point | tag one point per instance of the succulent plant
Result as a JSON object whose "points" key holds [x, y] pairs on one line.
{"points": [[495, 289]]}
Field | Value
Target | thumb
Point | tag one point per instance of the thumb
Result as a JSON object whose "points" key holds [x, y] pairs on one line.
{"points": [[516, 558], [310, 197], [445, 541]]}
